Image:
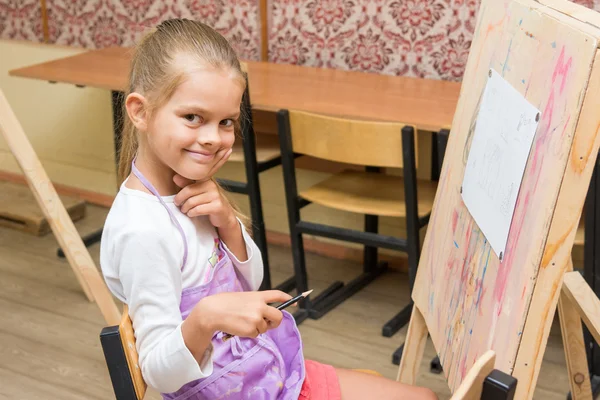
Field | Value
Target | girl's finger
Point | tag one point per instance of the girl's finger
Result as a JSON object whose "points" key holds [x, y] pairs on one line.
{"points": [[273, 315], [224, 157], [262, 326], [195, 201], [202, 209], [189, 191], [274, 296]]}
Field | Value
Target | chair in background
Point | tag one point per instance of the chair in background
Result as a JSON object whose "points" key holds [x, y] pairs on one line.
{"points": [[373, 145], [438, 148]]}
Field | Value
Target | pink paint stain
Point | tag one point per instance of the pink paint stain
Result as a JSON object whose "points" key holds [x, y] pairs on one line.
{"points": [[454, 220], [505, 267], [479, 307], [561, 70], [565, 127], [463, 368]]}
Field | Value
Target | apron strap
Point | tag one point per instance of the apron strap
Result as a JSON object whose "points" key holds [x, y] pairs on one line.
{"points": [[153, 190]]}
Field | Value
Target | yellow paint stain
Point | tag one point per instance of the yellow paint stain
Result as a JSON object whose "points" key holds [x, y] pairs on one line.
{"points": [[578, 162], [552, 248], [491, 27]]}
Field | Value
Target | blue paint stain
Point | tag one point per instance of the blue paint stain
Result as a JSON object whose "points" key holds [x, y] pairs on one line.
{"points": [[521, 21], [507, 55], [523, 81], [483, 277], [520, 333], [471, 332], [456, 244], [553, 45]]}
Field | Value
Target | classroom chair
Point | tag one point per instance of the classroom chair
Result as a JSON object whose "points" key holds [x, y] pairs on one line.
{"points": [[120, 354], [368, 144]]}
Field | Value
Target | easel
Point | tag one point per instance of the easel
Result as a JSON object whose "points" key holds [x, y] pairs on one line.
{"points": [[79, 258], [488, 318]]}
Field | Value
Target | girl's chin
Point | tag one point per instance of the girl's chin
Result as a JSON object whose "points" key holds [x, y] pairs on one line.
{"points": [[194, 174]]}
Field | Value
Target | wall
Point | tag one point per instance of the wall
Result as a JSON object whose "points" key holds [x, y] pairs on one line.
{"points": [[70, 128]]}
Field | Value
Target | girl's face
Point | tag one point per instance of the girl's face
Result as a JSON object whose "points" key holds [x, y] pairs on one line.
{"points": [[194, 129]]}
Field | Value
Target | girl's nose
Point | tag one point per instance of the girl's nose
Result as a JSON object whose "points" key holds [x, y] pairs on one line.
{"points": [[209, 136]]}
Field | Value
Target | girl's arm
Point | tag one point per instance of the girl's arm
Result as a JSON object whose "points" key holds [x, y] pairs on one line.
{"points": [[244, 253], [171, 352], [205, 198]]}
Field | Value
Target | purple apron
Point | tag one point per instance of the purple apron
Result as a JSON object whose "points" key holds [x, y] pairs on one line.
{"points": [[268, 367]]}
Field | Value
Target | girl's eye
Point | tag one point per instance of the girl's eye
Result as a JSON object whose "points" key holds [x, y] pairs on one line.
{"points": [[192, 118], [227, 122]]}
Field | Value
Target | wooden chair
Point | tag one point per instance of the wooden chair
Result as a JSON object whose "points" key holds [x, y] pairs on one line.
{"points": [[118, 345], [373, 145]]}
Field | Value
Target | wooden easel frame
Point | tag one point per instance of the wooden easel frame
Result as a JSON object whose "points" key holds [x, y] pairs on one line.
{"points": [[62, 226], [555, 282]]}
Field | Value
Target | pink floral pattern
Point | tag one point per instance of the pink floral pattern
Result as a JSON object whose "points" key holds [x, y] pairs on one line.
{"points": [[21, 20], [424, 38], [103, 23]]}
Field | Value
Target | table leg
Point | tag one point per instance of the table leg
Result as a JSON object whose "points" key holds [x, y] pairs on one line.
{"points": [[117, 108]]}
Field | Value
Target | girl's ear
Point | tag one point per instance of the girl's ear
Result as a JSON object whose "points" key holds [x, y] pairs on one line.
{"points": [[135, 104]]}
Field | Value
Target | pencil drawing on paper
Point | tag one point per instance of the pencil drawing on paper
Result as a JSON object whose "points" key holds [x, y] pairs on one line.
{"points": [[504, 133]]}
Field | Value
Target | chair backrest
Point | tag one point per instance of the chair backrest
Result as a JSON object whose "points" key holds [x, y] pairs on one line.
{"points": [[128, 340], [118, 344], [351, 141]]}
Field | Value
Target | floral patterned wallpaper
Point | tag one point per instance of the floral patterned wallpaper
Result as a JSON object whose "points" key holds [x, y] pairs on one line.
{"points": [[424, 38], [102, 23], [21, 20]]}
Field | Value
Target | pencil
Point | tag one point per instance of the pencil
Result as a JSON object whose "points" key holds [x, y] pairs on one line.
{"points": [[294, 300], [280, 307]]}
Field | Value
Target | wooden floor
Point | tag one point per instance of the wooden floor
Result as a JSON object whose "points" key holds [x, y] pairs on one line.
{"points": [[49, 346]]}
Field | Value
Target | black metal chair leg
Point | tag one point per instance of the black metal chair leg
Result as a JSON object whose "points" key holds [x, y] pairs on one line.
{"points": [[88, 240], [288, 285], [397, 356], [397, 321], [328, 303], [253, 188]]}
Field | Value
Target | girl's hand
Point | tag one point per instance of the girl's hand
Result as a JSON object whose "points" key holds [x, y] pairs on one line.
{"points": [[204, 198], [245, 314]]}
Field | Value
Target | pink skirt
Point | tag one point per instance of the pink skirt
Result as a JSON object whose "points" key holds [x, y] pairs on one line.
{"points": [[321, 382]]}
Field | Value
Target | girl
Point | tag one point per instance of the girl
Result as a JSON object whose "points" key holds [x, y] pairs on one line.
{"points": [[176, 251]]}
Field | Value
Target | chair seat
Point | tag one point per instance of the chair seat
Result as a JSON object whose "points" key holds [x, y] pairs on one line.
{"points": [[369, 193], [267, 149]]}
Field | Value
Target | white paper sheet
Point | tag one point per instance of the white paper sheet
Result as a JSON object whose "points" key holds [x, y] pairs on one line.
{"points": [[504, 132]]}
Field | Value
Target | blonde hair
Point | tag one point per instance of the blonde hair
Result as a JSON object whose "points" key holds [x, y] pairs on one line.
{"points": [[153, 75]]}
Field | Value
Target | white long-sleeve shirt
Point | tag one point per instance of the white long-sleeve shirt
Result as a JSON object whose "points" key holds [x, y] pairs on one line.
{"points": [[141, 256]]}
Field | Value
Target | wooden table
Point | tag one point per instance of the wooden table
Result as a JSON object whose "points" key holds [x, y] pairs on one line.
{"points": [[427, 104]]}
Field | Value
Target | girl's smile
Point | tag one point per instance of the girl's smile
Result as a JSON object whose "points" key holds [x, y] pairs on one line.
{"points": [[202, 157]]}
